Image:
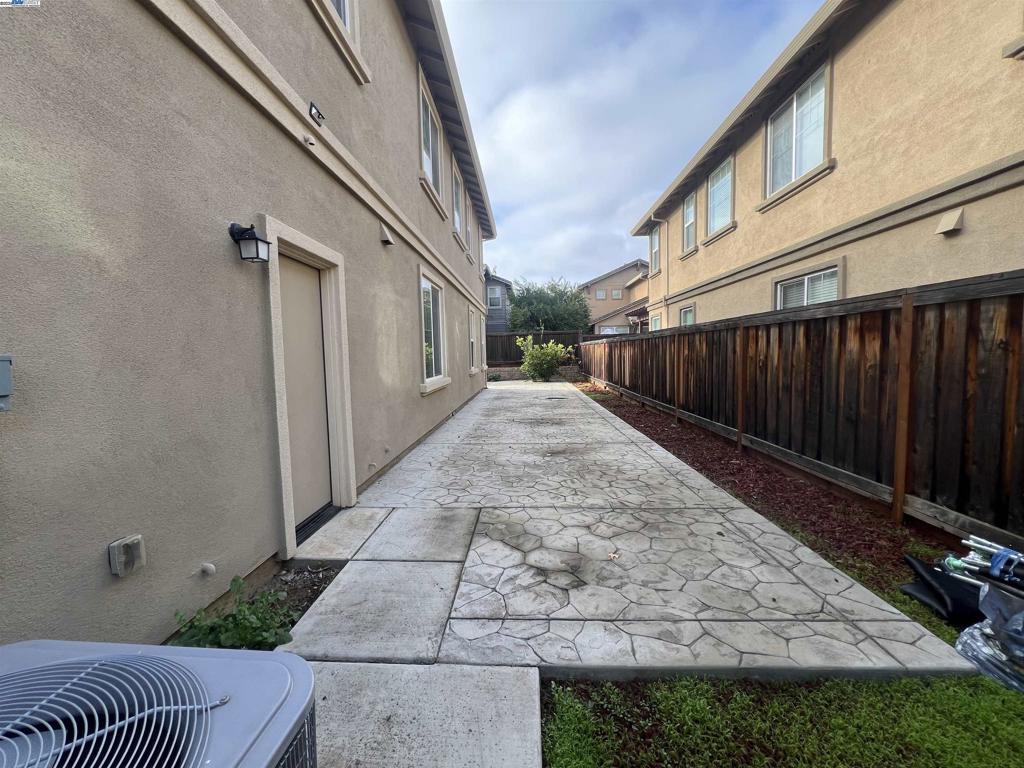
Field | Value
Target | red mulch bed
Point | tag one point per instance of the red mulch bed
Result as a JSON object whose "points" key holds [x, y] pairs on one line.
{"points": [[853, 533]]}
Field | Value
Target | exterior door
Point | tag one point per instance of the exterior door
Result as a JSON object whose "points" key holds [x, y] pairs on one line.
{"points": [[306, 387]]}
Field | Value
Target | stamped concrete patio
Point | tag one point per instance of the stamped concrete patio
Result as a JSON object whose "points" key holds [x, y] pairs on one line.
{"points": [[537, 529]]}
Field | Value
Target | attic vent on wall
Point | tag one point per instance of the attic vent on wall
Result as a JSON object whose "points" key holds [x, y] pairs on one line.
{"points": [[104, 713]]}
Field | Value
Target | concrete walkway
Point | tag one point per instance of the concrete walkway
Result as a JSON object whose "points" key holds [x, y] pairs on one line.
{"points": [[535, 529]]}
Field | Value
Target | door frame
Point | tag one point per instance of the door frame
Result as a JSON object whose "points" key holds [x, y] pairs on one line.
{"points": [[285, 241]]}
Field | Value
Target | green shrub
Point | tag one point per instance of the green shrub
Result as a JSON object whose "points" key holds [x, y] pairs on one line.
{"points": [[259, 624], [494, 377], [541, 361]]}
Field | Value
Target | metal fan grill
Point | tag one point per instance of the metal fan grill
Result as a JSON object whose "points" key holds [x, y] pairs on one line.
{"points": [[112, 712]]}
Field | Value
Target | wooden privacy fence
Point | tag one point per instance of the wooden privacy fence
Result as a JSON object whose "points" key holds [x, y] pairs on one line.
{"points": [[502, 349], [914, 397]]}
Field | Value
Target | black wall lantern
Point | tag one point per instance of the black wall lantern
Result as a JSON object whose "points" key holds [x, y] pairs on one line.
{"points": [[251, 247]]}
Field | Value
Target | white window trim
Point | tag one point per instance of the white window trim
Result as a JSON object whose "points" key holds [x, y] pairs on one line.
{"points": [[600, 294], [692, 308], [805, 277], [790, 103], [690, 199], [618, 291], [732, 200], [435, 194], [343, 36], [474, 344], [500, 303], [654, 234], [651, 319], [458, 227], [434, 383], [483, 342]]}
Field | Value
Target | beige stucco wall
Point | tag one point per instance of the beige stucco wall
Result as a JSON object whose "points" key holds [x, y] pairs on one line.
{"points": [[616, 281], [920, 95], [143, 371]]}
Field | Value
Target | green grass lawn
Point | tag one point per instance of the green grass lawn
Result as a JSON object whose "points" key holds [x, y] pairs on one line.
{"points": [[698, 722]]}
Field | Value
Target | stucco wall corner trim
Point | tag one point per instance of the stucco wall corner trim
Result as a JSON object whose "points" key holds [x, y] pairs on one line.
{"points": [[341, 38], [287, 241], [209, 31]]}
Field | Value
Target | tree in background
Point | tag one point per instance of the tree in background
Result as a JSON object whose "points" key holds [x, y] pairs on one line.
{"points": [[552, 306]]}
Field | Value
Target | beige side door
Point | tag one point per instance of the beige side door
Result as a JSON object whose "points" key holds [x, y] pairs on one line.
{"points": [[306, 387]]}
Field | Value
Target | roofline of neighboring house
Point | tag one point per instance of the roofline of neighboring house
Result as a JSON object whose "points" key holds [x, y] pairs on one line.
{"points": [[806, 45], [639, 276], [620, 310], [429, 36], [628, 265], [491, 276]]}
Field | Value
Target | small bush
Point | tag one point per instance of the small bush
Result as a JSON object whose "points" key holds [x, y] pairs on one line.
{"points": [[541, 361], [494, 377], [259, 624]]}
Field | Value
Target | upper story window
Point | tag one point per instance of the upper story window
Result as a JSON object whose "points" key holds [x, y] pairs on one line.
{"points": [[602, 293], [796, 134], [430, 136], [433, 330], [494, 296], [655, 246], [688, 315], [812, 288], [690, 222], [341, 6], [720, 197], [655, 322], [616, 293], [458, 198]]}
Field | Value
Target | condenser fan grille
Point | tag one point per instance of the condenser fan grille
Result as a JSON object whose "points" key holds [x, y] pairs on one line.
{"points": [[111, 712]]}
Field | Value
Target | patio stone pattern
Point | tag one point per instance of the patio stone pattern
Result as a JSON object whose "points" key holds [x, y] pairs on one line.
{"points": [[596, 551]]}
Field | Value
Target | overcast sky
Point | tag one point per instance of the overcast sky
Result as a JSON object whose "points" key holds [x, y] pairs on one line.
{"points": [[584, 110]]}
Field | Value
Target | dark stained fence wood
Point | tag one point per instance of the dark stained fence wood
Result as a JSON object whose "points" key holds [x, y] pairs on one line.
{"points": [[919, 392], [502, 349]]}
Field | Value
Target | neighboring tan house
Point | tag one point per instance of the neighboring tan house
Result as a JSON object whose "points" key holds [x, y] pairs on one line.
{"points": [[883, 149], [630, 317], [166, 388], [498, 305], [610, 295]]}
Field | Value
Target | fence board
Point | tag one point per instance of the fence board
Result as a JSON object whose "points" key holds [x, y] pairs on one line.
{"points": [[822, 386]]}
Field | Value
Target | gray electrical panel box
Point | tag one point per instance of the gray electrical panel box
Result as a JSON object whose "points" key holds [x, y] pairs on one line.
{"points": [[6, 382]]}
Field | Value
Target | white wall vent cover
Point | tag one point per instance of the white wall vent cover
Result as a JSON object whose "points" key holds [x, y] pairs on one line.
{"points": [[99, 705]]}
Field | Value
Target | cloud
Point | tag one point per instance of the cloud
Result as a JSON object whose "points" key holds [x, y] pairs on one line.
{"points": [[585, 110]]}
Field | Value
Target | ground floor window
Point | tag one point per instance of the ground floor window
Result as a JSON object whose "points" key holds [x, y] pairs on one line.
{"points": [[812, 288], [655, 322], [433, 330], [688, 315], [610, 329], [472, 339]]}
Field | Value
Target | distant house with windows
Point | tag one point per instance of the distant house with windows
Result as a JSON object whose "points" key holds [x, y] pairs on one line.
{"points": [[877, 152], [614, 295], [497, 301]]}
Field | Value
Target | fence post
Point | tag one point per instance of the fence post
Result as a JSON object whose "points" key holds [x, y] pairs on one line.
{"points": [[904, 378], [741, 383]]}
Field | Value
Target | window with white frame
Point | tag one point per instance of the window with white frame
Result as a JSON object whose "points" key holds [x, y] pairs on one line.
{"points": [[812, 288], [610, 330], [430, 140], [688, 315], [494, 296], [482, 348], [655, 322], [602, 294], [616, 293], [472, 339], [341, 6], [690, 222], [433, 330], [655, 249], [796, 134], [458, 198], [720, 197]]}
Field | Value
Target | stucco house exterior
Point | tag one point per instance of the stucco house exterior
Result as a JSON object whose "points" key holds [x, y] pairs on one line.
{"points": [[498, 304], [164, 387], [882, 149], [612, 295]]}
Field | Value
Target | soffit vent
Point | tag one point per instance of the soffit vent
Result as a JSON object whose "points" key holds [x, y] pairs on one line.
{"points": [[112, 712]]}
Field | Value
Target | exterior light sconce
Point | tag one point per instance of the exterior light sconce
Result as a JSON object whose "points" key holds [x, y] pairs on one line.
{"points": [[251, 247]]}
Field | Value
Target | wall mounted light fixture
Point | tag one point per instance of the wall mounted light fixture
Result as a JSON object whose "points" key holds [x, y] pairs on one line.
{"points": [[251, 247]]}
